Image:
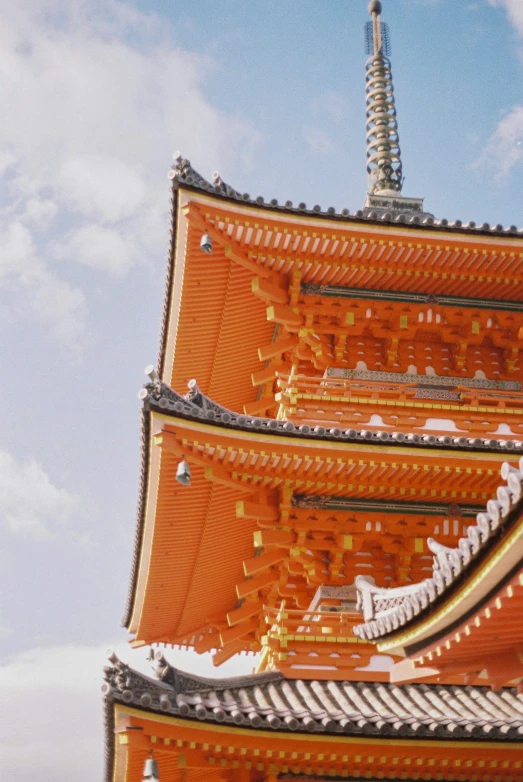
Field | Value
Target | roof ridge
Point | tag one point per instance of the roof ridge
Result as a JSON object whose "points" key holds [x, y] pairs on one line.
{"points": [[196, 405], [183, 174], [199, 698]]}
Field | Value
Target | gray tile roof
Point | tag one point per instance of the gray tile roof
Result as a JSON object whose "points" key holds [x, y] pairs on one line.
{"points": [[270, 701], [388, 610], [182, 173], [196, 406]]}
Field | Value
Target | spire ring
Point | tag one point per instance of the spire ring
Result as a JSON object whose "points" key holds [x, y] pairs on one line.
{"points": [[383, 150]]}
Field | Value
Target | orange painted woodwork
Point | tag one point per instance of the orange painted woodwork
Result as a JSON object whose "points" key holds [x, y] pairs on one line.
{"points": [[257, 327], [320, 641], [251, 286], [189, 751], [240, 501], [362, 256], [489, 641], [345, 403]]}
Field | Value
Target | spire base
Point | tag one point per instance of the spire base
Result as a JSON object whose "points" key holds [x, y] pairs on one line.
{"points": [[393, 203]]}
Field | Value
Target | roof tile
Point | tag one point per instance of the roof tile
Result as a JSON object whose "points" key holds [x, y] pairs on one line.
{"points": [[269, 700]]}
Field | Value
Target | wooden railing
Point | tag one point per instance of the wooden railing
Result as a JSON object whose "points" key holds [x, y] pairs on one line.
{"points": [[340, 401], [322, 641], [326, 387]]}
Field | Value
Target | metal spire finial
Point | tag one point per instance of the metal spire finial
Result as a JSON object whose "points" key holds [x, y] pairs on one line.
{"points": [[383, 150]]}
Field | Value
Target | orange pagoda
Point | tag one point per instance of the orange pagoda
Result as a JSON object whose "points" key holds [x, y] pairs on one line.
{"points": [[326, 493]]}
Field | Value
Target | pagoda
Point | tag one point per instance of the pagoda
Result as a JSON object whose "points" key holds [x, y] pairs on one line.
{"points": [[323, 434]]}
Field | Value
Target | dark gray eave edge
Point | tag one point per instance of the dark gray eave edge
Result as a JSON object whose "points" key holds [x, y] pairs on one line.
{"points": [[168, 402], [182, 693], [168, 292], [193, 682], [109, 753], [194, 413], [181, 181], [140, 518]]}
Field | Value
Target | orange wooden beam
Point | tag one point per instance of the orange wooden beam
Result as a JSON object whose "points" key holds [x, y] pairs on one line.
{"points": [[277, 348], [257, 583], [252, 510], [245, 611], [268, 291], [285, 316], [263, 561]]}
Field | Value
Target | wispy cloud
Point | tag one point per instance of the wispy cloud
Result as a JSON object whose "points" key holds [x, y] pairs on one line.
{"points": [[504, 149], [101, 186], [33, 290], [319, 141], [95, 97], [514, 9], [30, 503], [329, 104], [64, 680], [99, 247]]}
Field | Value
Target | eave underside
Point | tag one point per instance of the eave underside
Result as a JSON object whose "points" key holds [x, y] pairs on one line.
{"points": [[208, 543], [489, 640], [215, 325]]}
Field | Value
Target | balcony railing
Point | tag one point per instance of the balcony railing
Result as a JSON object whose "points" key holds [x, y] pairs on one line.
{"points": [[322, 641], [340, 401]]}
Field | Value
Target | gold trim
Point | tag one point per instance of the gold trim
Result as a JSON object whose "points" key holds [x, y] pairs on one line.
{"points": [[142, 578], [303, 737], [410, 234], [405, 638], [327, 445]]}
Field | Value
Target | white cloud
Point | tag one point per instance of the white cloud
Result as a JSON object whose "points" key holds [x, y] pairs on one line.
{"points": [[504, 149], [32, 290], [81, 98], [95, 97], [51, 714], [60, 306], [101, 186], [331, 104], [51, 707], [514, 9], [105, 249], [30, 504], [91, 99], [7, 159], [319, 142], [40, 211], [17, 258]]}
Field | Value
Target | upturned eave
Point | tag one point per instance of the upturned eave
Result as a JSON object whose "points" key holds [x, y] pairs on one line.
{"points": [[223, 449]]}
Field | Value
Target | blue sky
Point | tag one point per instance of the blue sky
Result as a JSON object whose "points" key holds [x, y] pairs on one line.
{"points": [[95, 98]]}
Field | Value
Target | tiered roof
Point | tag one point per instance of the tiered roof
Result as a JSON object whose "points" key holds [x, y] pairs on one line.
{"points": [[198, 726], [231, 457], [184, 175], [342, 342], [270, 701], [273, 268]]}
